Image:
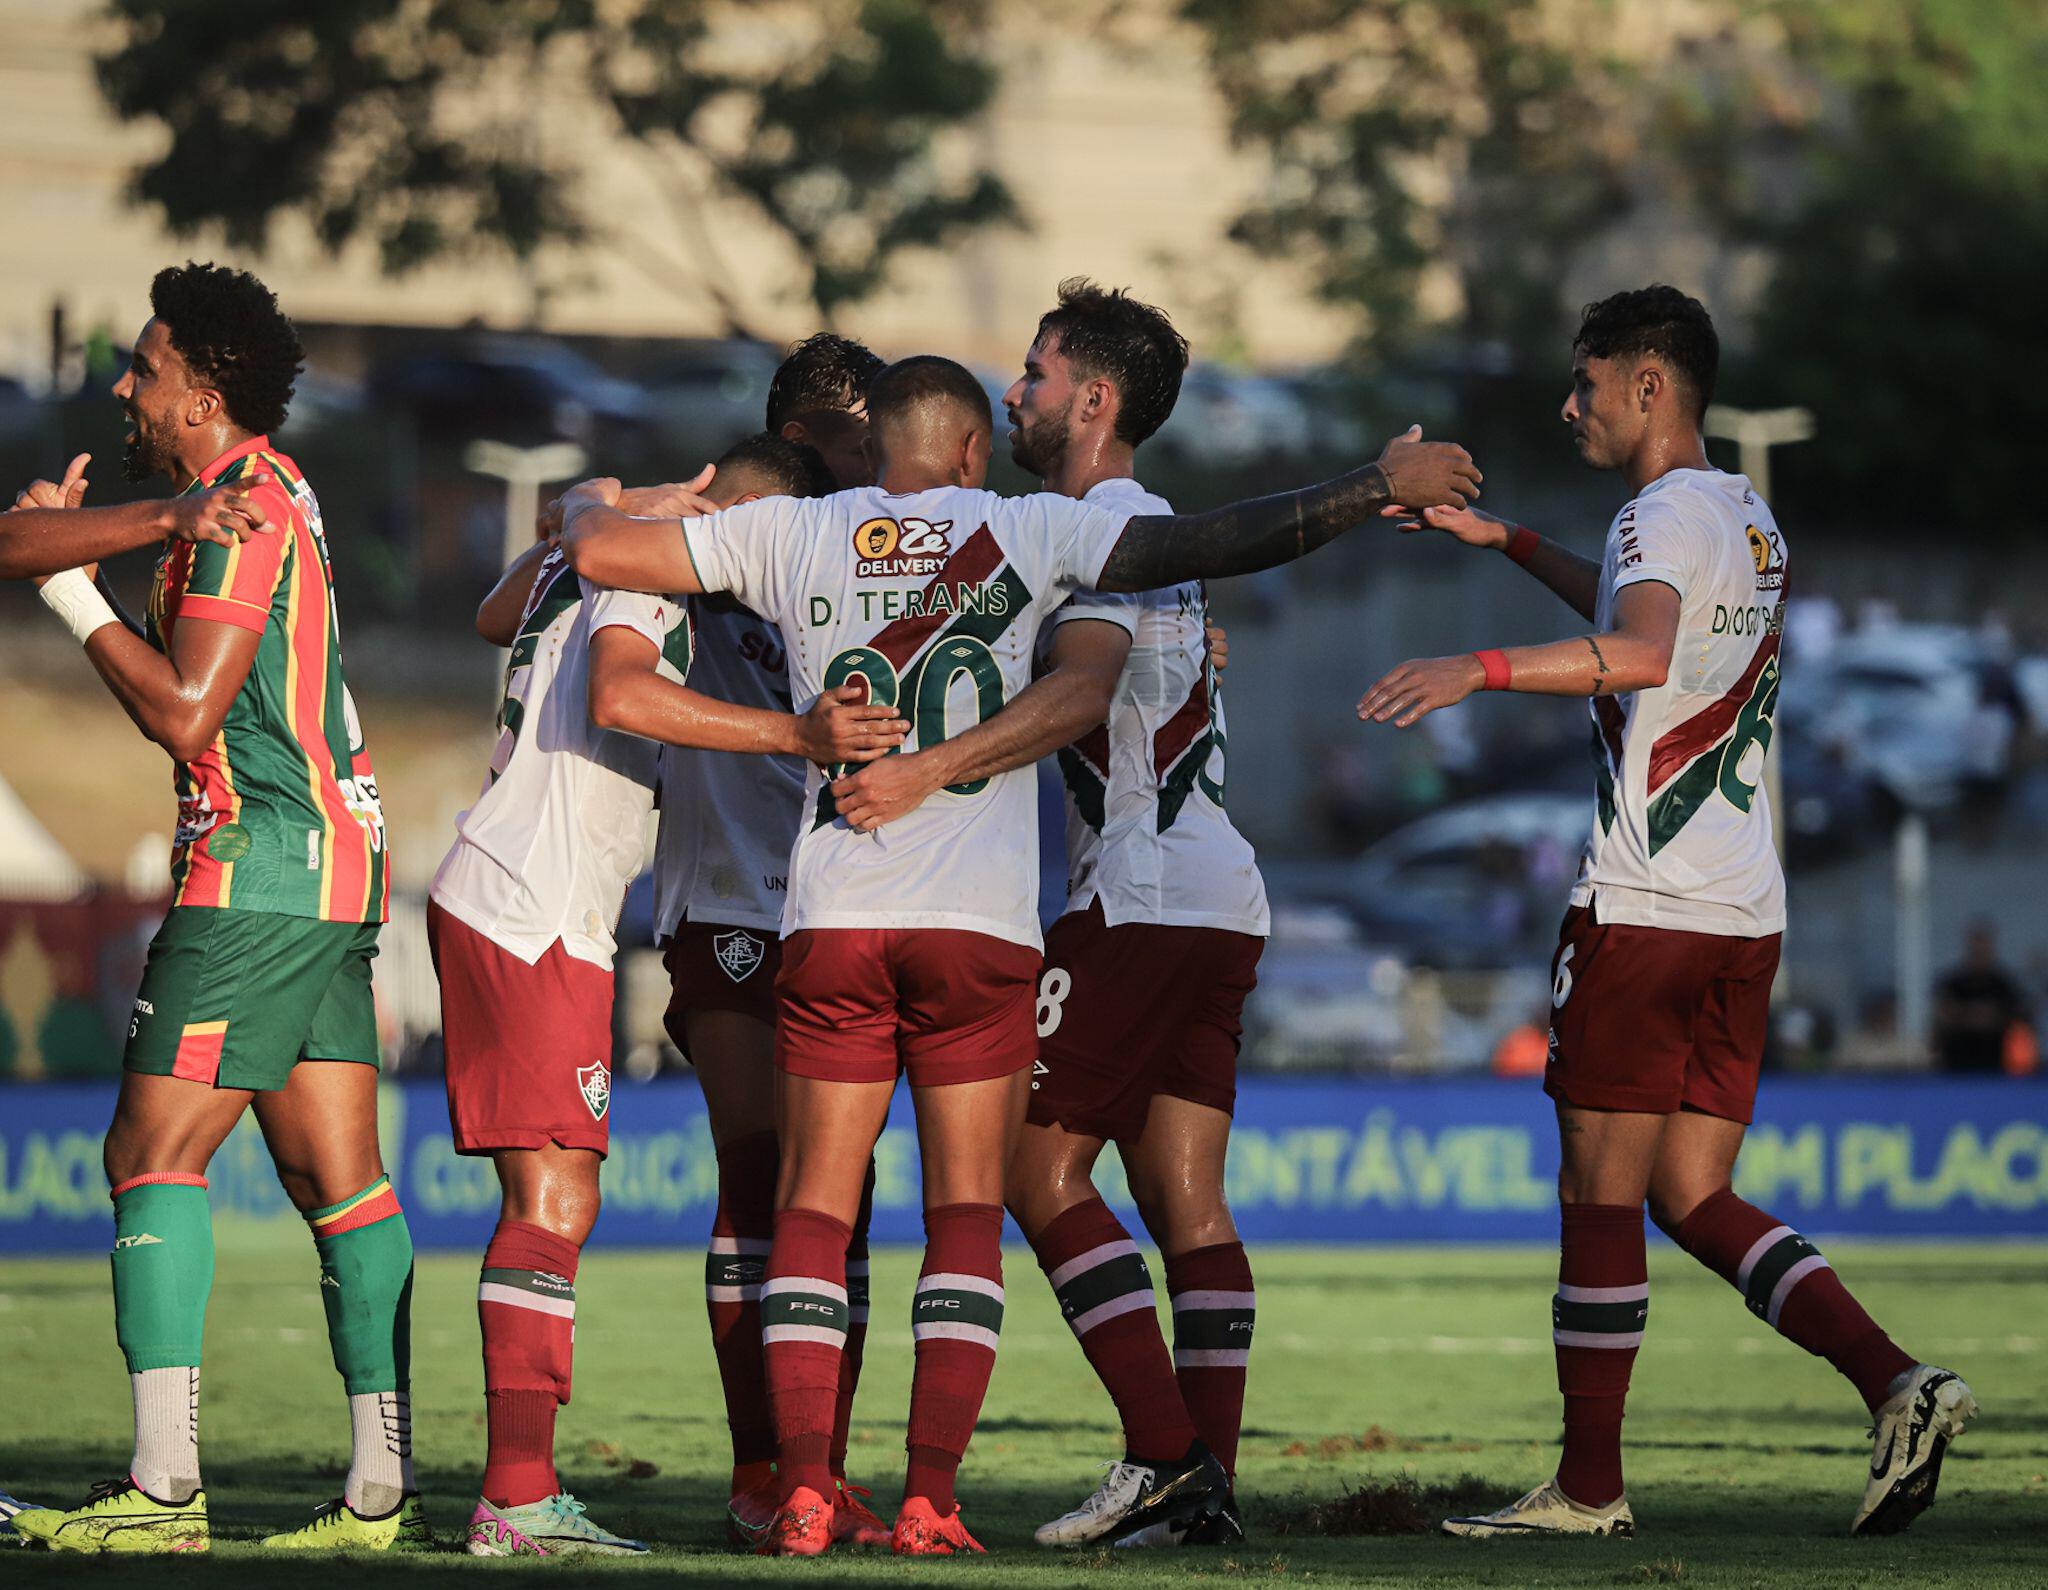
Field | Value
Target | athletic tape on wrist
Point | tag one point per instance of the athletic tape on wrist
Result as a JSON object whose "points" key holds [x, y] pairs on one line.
{"points": [[78, 603], [1522, 544], [1495, 664]]}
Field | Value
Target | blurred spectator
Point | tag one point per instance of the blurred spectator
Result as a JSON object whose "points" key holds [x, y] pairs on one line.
{"points": [[1987, 739], [1976, 1005], [1524, 1051], [1875, 1042]]}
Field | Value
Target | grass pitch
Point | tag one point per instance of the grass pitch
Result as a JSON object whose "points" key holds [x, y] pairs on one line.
{"points": [[1414, 1374]]}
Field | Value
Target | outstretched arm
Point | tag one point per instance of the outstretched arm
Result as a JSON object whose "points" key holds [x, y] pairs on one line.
{"points": [[1572, 577], [627, 693], [1634, 655], [498, 615], [608, 541], [1160, 549], [1071, 698], [37, 540]]}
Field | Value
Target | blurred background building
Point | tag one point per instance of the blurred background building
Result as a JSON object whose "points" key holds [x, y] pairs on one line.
{"points": [[503, 223]]}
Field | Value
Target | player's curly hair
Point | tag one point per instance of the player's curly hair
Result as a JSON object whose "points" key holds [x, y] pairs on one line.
{"points": [[226, 325], [1103, 332], [794, 468], [825, 373], [1657, 322]]}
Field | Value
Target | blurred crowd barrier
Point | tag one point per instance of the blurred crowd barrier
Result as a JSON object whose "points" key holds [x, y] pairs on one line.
{"points": [[1311, 1160]]}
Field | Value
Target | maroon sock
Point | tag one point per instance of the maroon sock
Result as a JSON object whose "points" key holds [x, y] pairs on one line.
{"points": [[856, 1324], [1791, 1288], [1106, 1295], [1214, 1310], [803, 1327], [955, 1321], [526, 1306], [1603, 1302], [742, 1232]]}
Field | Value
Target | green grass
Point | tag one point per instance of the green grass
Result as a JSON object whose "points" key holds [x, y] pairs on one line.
{"points": [[1745, 1456]]}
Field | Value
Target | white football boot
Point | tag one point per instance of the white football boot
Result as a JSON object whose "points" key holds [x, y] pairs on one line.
{"points": [[1547, 1511], [1913, 1428]]}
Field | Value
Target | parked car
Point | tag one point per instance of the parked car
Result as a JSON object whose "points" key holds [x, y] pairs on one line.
{"points": [[523, 390], [709, 396], [1228, 419]]}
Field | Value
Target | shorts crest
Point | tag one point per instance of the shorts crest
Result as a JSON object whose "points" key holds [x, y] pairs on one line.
{"points": [[739, 953]]}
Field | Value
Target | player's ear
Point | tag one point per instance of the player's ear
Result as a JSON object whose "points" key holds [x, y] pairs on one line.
{"points": [[1649, 382], [203, 406], [1098, 399], [796, 431], [745, 496]]}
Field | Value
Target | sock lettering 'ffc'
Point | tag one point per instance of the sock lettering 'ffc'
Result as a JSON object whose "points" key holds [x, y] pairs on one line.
{"points": [[1213, 1330], [1102, 1284], [954, 1307], [1600, 1316], [802, 1308]]}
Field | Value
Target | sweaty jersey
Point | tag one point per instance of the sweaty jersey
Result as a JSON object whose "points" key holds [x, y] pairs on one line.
{"points": [[728, 818], [280, 812], [1682, 830], [934, 598], [551, 844], [1147, 834]]}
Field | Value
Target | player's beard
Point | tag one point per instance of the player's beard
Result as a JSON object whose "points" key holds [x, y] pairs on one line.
{"points": [[149, 451], [1041, 445]]}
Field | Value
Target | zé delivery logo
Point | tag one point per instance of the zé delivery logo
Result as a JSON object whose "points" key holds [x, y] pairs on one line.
{"points": [[893, 547]]}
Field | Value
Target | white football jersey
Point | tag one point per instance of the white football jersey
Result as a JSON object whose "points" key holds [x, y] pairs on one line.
{"points": [[728, 818], [934, 598], [1682, 830], [558, 833], [1147, 834]]}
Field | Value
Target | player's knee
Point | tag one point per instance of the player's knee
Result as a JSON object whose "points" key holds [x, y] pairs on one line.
{"points": [[1671, 1201]]}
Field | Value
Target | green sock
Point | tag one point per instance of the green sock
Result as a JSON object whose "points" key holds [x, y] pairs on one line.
{"points": [[163, 1270], [366, 1285]]}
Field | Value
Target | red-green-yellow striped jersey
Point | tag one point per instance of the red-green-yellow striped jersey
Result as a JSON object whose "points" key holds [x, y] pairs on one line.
{"points": [[280, 813]]}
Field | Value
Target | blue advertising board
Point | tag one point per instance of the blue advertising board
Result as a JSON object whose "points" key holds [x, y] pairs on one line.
{"points": [[1312, 1160]]}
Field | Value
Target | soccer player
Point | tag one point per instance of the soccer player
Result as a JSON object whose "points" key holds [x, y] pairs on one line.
{"points": [[256, 992], [1147, 971], [728, 823], [916, 948], [1662, 980], [520, 920]]}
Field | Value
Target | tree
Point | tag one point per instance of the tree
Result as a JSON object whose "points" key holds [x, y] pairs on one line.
{"points": [[411, 125]]}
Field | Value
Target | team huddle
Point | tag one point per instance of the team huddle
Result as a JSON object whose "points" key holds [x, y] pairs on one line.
{"points": [[832, 660]]}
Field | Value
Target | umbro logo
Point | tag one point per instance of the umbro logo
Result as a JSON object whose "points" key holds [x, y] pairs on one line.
{"points": [[141, 1239]]}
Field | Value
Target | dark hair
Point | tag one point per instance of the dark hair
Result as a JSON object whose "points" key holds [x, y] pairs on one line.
{"points": [[1105, 333], [824, 373], [227, 327], [794, 467], [1661, 322], [922, 378]]}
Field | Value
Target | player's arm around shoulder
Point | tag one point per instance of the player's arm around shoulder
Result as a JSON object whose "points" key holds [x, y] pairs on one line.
{"points": [[1635, 654], [608, 545]]}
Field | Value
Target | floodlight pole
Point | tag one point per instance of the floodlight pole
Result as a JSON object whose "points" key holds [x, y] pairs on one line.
{"points": [[1755, 432], [524, 470]]}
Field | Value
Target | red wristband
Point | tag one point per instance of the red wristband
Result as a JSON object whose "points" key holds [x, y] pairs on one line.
{"points": [[1522, 544], [1495, 663]]}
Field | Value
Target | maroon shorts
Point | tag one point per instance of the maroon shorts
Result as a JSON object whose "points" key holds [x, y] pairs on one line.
{"points": [[529, 1048], [934, 1004], [1129, 1012], [715, 967], [1655, 1020]]}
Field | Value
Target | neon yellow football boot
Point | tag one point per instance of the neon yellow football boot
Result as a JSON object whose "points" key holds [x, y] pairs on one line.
{"points": [[119, 1517], [339, 1527]]}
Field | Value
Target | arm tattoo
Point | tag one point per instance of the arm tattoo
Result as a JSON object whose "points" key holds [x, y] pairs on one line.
{"points": [[1600, 662], [1242, 538]]}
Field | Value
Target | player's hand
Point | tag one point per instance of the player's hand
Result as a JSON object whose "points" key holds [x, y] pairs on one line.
{"points": [[677, 500], [547, 524], [884, 790], [1421, 474], [600, 491], [66, 493], [224, 514], [842, 726], [1219, 646], [1473, 526], [1420, 687]]}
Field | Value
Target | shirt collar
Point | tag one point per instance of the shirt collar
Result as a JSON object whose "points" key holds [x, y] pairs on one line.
{"points": [[219, 467]]}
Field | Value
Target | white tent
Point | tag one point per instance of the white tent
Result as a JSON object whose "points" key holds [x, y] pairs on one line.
{"points": [[33, 866]]}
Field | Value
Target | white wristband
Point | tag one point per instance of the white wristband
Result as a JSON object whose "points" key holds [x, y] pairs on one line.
{"points": [[77, 601]]}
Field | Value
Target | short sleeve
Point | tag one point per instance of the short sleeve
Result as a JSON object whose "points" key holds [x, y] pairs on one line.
{"points": [[1656, 541], [1110, 607], [1061, 542], [664, 621], [736, 550], [234, 585]]}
